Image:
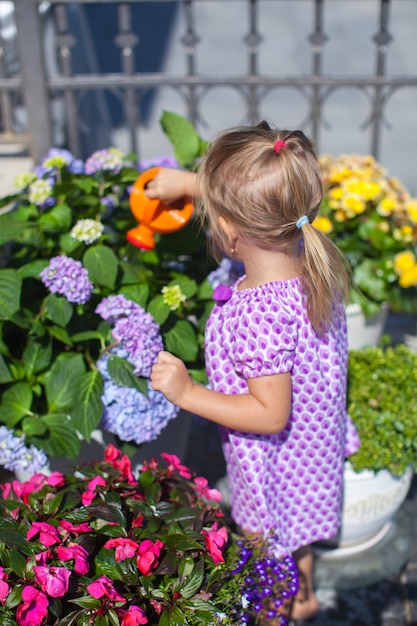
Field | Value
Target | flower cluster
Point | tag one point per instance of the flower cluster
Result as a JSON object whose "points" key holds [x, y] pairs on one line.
{"points": [[105, 547], [84, 312], [373, 219]]}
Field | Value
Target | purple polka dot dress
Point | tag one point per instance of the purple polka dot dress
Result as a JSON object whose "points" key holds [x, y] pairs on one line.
{"points": [[290, 482]]}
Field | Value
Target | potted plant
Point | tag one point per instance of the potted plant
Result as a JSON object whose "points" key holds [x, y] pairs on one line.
{"points": [[381, 401], [105, 547], [83, 312], [372, 217]]}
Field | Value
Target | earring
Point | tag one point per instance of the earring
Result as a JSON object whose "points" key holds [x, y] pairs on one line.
{"points": [[233, 250]]}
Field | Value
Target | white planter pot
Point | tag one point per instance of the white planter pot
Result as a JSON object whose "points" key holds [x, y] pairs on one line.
{"points": [[371, 501], [364, 331]]}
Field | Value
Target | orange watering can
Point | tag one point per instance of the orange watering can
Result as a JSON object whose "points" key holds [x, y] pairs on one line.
{"points": [[153, 215]]}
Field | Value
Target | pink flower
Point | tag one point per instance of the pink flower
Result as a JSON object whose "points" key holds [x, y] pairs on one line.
{"points": [[215, 540], [54, 581], [33, 609], [48, 534], [134, 616], [89, 495], [56, 479], [201, 487], [80, 529], [76, 552], [148, 555], [4, 586], [111, 453], [125, 548], [42, 558], [5, 490], [174, 464], [103, 586]]}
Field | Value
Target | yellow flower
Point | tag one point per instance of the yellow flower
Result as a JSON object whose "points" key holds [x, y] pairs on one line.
{"points": [[409, 278], [411, 207], [386, 206], [336, 193], [404, 262], [340, 216], [323, 224], [355, 204]]}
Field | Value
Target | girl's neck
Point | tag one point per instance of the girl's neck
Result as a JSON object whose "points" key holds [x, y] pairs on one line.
{"points": [[265, 266]]}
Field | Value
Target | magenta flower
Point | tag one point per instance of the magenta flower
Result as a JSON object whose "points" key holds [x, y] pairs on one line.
{"points": [[103, 587], [174, 464], [89, 495], [77, 553], [54, 581], [148, 555], [4, 586], [134, 616], [215, 540], [125, 548], [79, 529], [33, 609], [48, 534], [201, 487]]}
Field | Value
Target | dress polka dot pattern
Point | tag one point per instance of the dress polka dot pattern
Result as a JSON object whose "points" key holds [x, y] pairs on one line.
{"points": [[291, 481]]}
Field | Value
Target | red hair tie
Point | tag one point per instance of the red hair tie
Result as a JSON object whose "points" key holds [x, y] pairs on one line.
{"points": [[279, 145]]}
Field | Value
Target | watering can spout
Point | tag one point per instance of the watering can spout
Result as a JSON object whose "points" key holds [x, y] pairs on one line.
{"points": [[153, 215]]}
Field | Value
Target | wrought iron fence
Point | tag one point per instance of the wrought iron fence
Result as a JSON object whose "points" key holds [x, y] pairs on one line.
{"points": [[41, 80]]}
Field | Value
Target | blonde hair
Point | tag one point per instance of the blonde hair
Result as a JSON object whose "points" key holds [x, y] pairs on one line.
{"points": [[264, 193]]}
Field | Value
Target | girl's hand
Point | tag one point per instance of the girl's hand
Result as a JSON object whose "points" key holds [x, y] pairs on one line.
{"points": [[169, 375], [170, 185]]}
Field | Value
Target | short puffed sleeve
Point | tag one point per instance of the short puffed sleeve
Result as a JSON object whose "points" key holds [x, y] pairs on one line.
{"points": [[265, 338]]}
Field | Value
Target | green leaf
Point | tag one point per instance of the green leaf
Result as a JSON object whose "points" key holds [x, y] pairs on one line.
{"points": [[17, 560], [187, 286], [10, 288], [59, 309], [61, 438], [121, 372], [33, 426], [187, 144], [37, 355], [102, 265], [182, 542], [32, 269], [137, 293], [181, 340], [15, 403], [205, 290], [61, 334], [62, 381], [10, 230], [158, 309], [57, 219], [5, 375], [16, 540], [89, 408], [194, 581]]}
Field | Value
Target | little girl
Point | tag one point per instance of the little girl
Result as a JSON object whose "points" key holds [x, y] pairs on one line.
{"points": [[275, 344]]}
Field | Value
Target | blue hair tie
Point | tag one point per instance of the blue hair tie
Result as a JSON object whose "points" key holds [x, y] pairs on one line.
{"points": [[301, 221]]}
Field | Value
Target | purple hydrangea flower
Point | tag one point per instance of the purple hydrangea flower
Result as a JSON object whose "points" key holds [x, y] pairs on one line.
{"points": [[135, 329], [161, 161], [128, 413], [111, 159], [67, 277], [14, 455]]}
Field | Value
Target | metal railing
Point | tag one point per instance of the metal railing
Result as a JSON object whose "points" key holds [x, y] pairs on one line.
{"points": [[39, 88]]}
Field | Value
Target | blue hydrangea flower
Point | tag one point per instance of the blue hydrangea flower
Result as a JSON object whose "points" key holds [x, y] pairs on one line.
{"points": [[226, 273], [69, 278], [135, 329], [14, 455], [161, 161], [111, 159], [53, 157], [128, 413]]}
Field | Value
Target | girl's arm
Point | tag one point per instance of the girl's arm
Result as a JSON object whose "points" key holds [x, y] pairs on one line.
{"points": [[171, 184], [264, 410]]}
